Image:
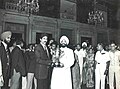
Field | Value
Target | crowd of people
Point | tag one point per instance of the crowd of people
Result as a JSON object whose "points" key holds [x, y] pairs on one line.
{"points": [[53, 65]]}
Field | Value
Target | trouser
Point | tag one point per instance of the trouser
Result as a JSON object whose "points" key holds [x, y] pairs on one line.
{"points": [[6, 77], [50, 75], [81, 69], [15, 80], [114, 71], [35, 83], [24, 82], [99, 76], [30, 78], [43, 84], [6, 82]]}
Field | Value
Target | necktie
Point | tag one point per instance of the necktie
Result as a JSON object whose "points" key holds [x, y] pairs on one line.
{"points": [[46, 50], [7, 52]]}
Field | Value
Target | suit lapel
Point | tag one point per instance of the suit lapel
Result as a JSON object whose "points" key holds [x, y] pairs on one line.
{"points": [[45, 51]]}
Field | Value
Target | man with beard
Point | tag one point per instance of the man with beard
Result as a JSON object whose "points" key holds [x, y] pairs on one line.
{"points": [[42, 63], [82, 62], [61, 76], [5, 59]]}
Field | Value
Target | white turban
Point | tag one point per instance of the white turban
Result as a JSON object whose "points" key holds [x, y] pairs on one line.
{"points": [[64, 38], [5, 34], [84, 43]]}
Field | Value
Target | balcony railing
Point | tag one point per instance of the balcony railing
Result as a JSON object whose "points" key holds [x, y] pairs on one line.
{"points": [[67, 16], [12, 7]]}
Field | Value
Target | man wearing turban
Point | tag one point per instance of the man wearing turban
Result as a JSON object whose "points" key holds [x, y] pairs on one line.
{"points": [[4, 54], [61, 76], [82, 60]]}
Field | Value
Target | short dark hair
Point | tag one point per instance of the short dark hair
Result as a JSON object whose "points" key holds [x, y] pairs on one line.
{"points": [[113, 42], [18, 42], [28, 46], [78, 44], [52, 39], [54, 43], [101, 45], [43, 34]]}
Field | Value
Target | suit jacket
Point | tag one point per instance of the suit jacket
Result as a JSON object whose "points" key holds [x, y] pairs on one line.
{"points": [[4, 61], [42, 63], [18, 61], [30, 61]]}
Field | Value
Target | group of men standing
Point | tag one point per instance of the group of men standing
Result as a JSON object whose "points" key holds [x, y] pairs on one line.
{"points": [[5, 58], [13, 64], [107, 63]]}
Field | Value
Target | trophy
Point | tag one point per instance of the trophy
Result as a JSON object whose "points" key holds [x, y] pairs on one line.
{"points": [[56, 62]]}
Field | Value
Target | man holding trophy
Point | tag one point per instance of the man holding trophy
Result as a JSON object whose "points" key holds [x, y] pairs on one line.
{"points": [[61, 76]]}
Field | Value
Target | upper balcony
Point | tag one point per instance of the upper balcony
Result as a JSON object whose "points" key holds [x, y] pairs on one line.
{"points": [[11, 7]]}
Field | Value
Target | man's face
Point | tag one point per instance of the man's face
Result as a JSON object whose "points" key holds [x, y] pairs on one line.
{"points": [[90, 51], [78, 47], [22, 44], [53, 46], [14, 44], [44, 40], [113, 47], [8, 39], [51, 41], [99, 47], [63, 43], [84, 46]]}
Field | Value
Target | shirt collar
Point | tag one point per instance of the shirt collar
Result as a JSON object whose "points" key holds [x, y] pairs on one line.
{"points": [[5, 45], [44, 46], [103, 51], [19, 46]]}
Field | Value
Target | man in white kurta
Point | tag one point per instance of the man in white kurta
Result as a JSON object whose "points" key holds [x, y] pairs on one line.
{"points": [[114, 68], [80, 53], [61, 77], [101, 58]]}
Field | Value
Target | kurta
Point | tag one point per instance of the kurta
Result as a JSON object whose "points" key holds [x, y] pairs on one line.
{"points": [[61, 77]]}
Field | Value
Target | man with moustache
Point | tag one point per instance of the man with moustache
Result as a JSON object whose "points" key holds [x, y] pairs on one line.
{"points": [[5, 59], [82, 62], [42, 63], [61, 76]]}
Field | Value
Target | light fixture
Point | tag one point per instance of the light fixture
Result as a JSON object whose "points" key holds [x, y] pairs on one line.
{"points": [[27, 6], [95, 16]]}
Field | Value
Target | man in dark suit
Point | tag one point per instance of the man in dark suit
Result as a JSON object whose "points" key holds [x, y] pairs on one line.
{"points": [[42, 63], [18, 65], [5, 59]]}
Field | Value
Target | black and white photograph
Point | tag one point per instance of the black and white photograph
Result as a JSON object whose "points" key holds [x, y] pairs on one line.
{"points": [[59, 44]]}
